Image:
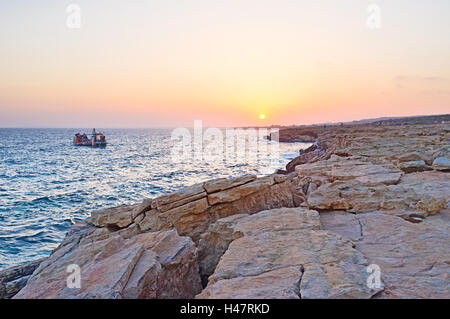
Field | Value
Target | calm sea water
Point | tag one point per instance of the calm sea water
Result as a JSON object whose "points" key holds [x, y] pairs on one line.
{"points": [[46, 184]]}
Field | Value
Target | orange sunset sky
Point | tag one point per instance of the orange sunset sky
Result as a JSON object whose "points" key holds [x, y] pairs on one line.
{"points": [[166, 63]]}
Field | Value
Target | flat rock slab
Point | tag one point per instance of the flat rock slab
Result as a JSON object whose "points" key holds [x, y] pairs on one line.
{"points": [[414, 166], [221, 184], [351, 169], [215, 241], [282, 254], [423, 192], [414, 259], [282, 283]]}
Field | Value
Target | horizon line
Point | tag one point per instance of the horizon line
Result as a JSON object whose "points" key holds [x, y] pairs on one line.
{"points": [[240, 126]]}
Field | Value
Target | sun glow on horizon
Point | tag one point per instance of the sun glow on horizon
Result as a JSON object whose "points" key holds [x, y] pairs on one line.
{"points": [[160, 67]]}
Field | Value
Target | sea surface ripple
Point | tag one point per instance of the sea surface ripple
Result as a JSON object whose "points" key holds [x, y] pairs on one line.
{"points": [[47, 184]]}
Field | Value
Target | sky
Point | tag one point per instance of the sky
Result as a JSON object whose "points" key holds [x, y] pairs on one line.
{"points": [[145, 63]]}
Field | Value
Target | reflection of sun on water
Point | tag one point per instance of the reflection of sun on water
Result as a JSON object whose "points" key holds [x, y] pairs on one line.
{"points": [[262, 116]]}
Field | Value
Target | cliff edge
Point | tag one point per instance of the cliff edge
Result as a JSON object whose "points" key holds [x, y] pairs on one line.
{"points": [[363, 195]]}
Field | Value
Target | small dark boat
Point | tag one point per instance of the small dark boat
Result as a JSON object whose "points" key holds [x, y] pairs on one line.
{"points": [[97, 139]]}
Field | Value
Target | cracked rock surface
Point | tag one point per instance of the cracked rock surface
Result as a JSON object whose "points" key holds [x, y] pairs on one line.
{"points": [[286, 244], [362, 195], [414, 258], [151, 265]]}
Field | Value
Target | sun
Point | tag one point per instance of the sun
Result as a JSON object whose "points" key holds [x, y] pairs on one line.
{"points": [[262, 116]]}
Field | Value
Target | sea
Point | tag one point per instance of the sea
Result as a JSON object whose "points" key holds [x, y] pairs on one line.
{"points": [[47, 184]]}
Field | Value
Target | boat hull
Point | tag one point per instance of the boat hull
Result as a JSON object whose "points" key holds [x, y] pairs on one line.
{"points": [[97, 140], [90, 145]]}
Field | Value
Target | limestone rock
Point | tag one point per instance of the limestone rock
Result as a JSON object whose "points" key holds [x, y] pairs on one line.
{"points": [[221, 184], [282, 283], [282, 254], [311, 188], [293, 135], [393, 212], [214, 242], [343, 223], [424, 192], [120, 217], [15, 278], [140, 209], [151, 265], [441, 164], [155, 220], [275, 196], [233, 194], [183, 196], [351, 169], [414, 166], [414, 259], [13, 287], [411, 157], [193, 218]]}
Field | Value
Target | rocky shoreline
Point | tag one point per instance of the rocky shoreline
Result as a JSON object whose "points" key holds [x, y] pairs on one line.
{"points": [[361, 195]]}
